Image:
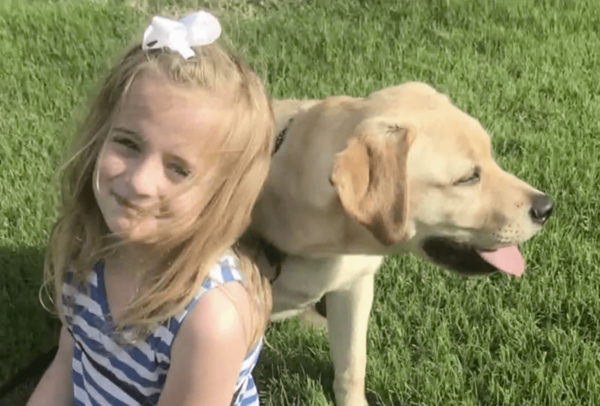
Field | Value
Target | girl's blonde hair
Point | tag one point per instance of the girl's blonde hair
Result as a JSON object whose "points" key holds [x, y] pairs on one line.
{"points": [[78, 239]]}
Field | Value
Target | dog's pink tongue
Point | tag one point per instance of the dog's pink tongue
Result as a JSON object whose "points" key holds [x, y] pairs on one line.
{"points": [[509, 260]]}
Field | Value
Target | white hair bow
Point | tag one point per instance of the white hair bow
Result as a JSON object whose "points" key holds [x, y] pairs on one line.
{"points": [[196, 29]]}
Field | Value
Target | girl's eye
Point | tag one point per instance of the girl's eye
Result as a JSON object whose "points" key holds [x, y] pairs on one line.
{"points": [[179, 170], [127, 143]]}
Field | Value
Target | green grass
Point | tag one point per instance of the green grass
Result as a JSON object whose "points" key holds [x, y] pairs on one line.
{"points": [[528, 70]]}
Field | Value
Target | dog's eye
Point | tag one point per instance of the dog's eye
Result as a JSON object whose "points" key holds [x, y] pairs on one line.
{"points": [[471, 179]]}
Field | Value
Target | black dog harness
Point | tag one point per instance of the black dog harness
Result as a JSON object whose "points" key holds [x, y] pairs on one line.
{"points": [[281, 137], [275, 256]]}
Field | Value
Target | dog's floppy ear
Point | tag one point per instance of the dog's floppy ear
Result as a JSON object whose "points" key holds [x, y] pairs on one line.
{"points": [[370, 178]]}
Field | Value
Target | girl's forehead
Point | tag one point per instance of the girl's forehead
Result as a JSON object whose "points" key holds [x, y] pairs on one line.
{"points": [[156, 108], [151, 94]]}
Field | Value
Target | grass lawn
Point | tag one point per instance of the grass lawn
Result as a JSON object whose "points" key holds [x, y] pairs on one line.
{"points": [[528, 70]]}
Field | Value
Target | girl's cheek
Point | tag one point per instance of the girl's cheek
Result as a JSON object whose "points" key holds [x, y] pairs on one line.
{"points": [[112, 165], [188, 205]]}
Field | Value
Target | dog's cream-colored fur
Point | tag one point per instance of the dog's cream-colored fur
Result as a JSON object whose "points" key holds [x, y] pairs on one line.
{"points": [[357, 179]]}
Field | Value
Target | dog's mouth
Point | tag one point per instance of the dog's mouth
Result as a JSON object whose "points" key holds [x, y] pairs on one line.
{"points": [[468, 260]]}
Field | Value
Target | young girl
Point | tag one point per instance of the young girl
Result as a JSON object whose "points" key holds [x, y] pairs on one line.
{"points": [[158, 304]]}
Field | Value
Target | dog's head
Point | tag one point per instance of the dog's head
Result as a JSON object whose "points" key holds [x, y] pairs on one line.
{"points": [[419, 173]]}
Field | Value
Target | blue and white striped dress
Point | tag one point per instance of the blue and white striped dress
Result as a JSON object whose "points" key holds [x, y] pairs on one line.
{"points": [[106, 374]]}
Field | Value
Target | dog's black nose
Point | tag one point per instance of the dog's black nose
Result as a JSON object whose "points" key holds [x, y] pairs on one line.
{"points": [[541, 208]]}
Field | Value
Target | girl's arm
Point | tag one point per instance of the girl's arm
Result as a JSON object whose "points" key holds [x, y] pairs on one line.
{"points": [[56, 386], [208, 351]]}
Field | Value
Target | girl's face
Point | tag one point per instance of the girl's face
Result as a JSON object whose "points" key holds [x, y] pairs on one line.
{"points": [[157, 141]]}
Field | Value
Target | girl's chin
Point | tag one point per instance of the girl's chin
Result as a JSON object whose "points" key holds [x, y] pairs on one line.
{"points": [[127, 230]]}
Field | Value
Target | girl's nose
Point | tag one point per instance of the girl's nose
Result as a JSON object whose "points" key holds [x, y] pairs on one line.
{"points": [[147, 178]]}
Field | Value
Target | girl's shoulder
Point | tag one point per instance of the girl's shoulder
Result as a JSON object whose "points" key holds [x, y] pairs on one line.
{"points": [[90, 277], [88, 283], [226, 270]]}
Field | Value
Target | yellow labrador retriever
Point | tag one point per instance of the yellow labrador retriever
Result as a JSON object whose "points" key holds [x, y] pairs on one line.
{"points": [[355, 179]]}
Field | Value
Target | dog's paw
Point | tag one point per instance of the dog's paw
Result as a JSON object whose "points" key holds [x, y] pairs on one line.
{"points": [[353, 402], [352, 395]]}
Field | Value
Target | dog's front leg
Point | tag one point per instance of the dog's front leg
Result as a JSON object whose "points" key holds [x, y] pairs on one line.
{"points": [[348, 313]]}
